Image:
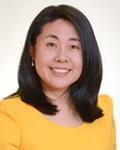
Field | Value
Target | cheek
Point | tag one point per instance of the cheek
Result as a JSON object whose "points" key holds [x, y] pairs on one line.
{"points": [[78, 62], [42, 61], [40, 64], [78, 68], [40, 57]]}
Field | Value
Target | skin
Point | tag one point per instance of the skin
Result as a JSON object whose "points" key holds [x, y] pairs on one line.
{"points": [[58, 62]]}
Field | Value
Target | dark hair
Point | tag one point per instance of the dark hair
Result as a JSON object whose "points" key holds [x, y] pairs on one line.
{"points": [[84, 92]]}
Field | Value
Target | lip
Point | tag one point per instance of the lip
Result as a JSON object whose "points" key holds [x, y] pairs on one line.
{"points": [[60, 70]]}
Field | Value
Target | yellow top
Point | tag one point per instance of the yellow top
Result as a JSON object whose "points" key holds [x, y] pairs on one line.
{"points": [[22, 127]]}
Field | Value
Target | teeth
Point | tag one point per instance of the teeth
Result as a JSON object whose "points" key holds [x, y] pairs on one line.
{"points": [[61, 70]]}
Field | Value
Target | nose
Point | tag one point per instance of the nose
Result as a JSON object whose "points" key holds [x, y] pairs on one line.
{"points": [[61, 55]]}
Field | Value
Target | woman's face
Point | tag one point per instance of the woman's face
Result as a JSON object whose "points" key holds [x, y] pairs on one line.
{"points": [[58, 55]]}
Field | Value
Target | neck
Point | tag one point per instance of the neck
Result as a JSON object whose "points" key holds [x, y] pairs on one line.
{"points": [[66, 115], [62, 100], [57, 95]]}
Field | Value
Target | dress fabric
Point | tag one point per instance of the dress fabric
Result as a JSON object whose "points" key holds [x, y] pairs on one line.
{"points": [[22, 127]]}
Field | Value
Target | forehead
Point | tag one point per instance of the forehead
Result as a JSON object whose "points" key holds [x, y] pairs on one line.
{"points": [[59, 27]]}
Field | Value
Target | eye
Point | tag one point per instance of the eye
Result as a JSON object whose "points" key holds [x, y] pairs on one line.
{"points": [[75, 47], [51, 44]]}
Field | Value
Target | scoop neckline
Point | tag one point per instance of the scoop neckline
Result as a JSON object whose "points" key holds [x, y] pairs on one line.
{"points": [[53, 124]]}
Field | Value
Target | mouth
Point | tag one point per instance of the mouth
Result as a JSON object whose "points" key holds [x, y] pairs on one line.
{"points": [[60, 71]]}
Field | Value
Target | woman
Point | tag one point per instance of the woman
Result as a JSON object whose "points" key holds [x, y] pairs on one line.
{"points": [[57, 104]]}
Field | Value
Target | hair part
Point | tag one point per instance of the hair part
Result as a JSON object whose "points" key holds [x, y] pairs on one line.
{"points": [[84, 92]]}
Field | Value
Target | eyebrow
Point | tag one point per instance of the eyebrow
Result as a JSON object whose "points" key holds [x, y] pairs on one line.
{"points": [[52, 36], [75, 39], [55, 37]]}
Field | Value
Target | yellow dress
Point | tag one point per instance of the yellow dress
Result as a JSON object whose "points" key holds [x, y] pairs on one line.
{"points": [[22, 127]]}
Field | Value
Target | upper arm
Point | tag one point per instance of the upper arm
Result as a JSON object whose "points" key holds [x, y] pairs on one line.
{"points": [[106, 104], [10, 129]]}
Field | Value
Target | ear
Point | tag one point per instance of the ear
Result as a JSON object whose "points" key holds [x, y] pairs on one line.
{"points": [[32, 52]]}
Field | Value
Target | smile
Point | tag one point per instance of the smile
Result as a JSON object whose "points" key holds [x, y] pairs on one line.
{"points": [[60, 70]]}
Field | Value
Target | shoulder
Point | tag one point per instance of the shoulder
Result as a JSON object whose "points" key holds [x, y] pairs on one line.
{"points": [[8, 108], [11, 100], [13, 108], [8, 102], [14, 103], [10, 125], [105, 102], [17, 110]]}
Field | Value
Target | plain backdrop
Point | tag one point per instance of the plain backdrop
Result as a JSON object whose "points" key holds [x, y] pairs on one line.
{"points": [[104, 15]]}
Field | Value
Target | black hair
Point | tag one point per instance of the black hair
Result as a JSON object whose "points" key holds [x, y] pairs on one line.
{"points": [[84, 92]]}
